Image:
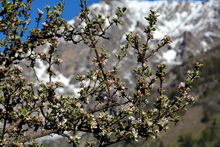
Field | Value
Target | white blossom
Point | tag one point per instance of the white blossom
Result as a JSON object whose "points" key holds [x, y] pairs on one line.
{"points": [[39, 11], [181, 85]]}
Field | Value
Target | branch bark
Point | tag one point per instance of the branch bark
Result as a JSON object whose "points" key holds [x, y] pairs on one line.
{"points": [[37, 135]]}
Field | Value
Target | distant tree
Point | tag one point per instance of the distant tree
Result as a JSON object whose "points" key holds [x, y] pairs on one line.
{"points": [[32, 108]]}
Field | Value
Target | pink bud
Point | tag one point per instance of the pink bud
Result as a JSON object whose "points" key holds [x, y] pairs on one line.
{"points": [[2, 67], [54, 38], [23, 78], [19, 67], [189, 97], [141, 49], [136, 35], [182, 85]]}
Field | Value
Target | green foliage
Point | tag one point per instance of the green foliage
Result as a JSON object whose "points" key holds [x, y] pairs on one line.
{"points": [[32, 108], [208, 137]]}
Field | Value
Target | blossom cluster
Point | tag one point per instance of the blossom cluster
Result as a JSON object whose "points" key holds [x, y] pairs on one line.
{"points": [[104, 106]]}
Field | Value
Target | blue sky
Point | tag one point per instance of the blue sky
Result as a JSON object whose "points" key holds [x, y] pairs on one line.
{"points": [[72, 7], [71, 10]]}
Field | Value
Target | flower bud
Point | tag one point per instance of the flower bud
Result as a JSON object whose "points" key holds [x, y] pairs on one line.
{"points": [[47, 7], [40, 12], [181, 85], [54, 38], [18, 67], [45, 24], [167, 39]]}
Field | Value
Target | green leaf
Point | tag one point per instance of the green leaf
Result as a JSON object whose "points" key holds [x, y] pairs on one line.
{"points": [[23, 111], [123, 9]]}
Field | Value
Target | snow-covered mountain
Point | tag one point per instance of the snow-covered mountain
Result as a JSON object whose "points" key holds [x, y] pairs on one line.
{"points": [[192, 25]]}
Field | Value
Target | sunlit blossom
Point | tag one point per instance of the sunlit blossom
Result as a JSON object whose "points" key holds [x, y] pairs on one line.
{"points": [[181, 85], [102, 114], [135, 134], [109, 117], [93, 124], [78, 105], [191, 98], [129, 107], [18, 67], [39, 11], [73, 138]]}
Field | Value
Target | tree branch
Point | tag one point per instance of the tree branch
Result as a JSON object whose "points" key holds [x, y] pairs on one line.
{"points": [[37, 135]]}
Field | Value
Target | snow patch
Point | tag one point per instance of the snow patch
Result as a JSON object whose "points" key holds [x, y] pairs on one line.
{"points": [[158, 35], [169, 55], [71, 22], [41, 72]]}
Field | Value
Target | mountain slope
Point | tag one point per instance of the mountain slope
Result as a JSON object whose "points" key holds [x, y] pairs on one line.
{"points": [[193, 27]]}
